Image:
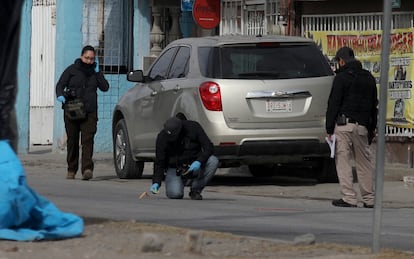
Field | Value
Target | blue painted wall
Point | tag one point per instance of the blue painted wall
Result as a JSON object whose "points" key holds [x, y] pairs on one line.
{"points": [[142, 27], [106, 103], [68, 48], [23, 77]]}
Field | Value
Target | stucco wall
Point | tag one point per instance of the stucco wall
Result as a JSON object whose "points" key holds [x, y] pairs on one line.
{"points": [[68, 48], [23, 79]]}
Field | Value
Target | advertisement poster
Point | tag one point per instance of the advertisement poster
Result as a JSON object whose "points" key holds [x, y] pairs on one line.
{"points": [[367, 48]]}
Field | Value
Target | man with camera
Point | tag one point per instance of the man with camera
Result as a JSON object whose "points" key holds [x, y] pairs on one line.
{"points": [[184, 153]]}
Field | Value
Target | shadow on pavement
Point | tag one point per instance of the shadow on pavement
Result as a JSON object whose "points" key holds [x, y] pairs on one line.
{"points": [[256, 181], [284, 176]]}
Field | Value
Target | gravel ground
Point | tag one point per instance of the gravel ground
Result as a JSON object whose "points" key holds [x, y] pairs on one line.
{"points": [[107, 239]]}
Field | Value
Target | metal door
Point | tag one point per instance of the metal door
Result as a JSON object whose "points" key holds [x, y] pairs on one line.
{"points": [[42, 67]]}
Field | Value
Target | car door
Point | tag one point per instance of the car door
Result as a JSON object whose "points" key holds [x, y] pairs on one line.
{"points": [[145, 119], [174, 97]]}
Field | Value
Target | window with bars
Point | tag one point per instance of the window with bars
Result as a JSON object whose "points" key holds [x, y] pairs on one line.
{"points": [[107, 26], [250, 17], [231, 17]]}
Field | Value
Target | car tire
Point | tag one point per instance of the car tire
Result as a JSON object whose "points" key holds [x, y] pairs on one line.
{"points": [[125, 166], [262, 170]]}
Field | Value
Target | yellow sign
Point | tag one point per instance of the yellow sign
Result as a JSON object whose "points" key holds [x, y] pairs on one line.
{"points": [[367, 48]]}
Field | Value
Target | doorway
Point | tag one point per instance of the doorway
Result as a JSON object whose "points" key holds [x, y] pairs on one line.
{"points": [[42, 73]]}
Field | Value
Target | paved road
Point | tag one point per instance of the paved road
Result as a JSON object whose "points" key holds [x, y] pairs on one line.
{"points": [[278, 208]]}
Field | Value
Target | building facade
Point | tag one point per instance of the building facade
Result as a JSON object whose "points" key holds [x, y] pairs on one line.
{"points": [[129, 34], [53, 33]]}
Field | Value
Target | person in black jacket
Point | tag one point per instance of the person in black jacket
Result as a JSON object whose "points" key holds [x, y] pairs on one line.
{"points": [[10, 13], [352, 117], [185, 153], [80, 82]]}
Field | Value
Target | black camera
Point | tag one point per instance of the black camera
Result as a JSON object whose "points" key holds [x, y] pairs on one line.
{"points": [[70, 93], [184, 172]]}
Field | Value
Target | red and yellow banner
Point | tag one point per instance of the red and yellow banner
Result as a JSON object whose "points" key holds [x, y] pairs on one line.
{"points": [[367, 48]]}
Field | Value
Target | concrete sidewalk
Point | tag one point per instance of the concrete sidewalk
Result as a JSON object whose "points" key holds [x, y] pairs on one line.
{"points": [[396, 192], [392, 172]]}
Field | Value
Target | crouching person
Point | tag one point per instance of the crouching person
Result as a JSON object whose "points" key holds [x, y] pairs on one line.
{"points": [[185, 154]]}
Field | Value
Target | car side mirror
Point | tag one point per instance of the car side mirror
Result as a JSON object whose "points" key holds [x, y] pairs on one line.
{"points": [[135, 76]]}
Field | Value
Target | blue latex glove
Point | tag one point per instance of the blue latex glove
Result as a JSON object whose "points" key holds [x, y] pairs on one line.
{"points": [[195, 166], [155, 188], [96, 65], [61, 99]]}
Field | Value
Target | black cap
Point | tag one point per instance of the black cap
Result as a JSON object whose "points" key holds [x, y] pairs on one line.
{"points": [[346, 53], [173, 128]]}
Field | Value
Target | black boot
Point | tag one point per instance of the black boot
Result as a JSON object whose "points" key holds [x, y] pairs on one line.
{"points": [[195, 195]]}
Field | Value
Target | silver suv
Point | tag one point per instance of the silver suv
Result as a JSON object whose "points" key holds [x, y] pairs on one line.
{"points": [[261, 100]]}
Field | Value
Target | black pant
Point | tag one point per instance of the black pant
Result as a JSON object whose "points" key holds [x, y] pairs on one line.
{"points": [[10, 12], [85, 129]]}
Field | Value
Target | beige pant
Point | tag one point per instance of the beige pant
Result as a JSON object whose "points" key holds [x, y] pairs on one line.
{"points": [[352, 142]]}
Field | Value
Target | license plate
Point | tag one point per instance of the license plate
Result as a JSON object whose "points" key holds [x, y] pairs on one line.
{"points": [[279, 106]]}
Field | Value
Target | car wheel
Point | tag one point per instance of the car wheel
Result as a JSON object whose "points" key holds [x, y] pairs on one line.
{"points": [[125, 166], [262, 170]]}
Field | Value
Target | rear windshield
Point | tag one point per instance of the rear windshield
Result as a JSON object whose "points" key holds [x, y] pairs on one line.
{"points": [[263, 61]]}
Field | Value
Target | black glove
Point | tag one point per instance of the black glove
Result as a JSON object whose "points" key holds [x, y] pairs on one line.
{"points": [[371, 136]]}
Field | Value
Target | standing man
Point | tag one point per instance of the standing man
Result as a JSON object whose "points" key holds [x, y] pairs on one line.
{"points": [[352, 117], [185, 153]]}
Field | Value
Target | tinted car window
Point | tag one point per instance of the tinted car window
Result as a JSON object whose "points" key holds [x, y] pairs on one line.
{"points": [[263, 61], [209, 61], [160, 69], [180, 66]]}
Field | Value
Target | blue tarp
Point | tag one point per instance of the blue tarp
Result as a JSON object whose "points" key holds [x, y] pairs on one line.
{"points": [[25, 215]]}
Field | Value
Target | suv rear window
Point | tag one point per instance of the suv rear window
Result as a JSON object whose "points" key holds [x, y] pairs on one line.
{"points": [[263, 61]]}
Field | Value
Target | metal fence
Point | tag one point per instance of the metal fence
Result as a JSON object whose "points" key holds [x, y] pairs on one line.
{"points": [[357, 22]]}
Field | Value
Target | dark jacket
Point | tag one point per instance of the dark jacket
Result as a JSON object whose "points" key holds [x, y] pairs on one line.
{"points": [[192, 144], [81, 80], [354, 94], [10, 13]]}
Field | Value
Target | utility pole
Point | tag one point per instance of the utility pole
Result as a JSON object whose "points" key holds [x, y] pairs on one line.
{"points": [[379, 176]]}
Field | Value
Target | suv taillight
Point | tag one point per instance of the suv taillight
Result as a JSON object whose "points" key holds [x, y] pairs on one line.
{"points": [[210, 95]]}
